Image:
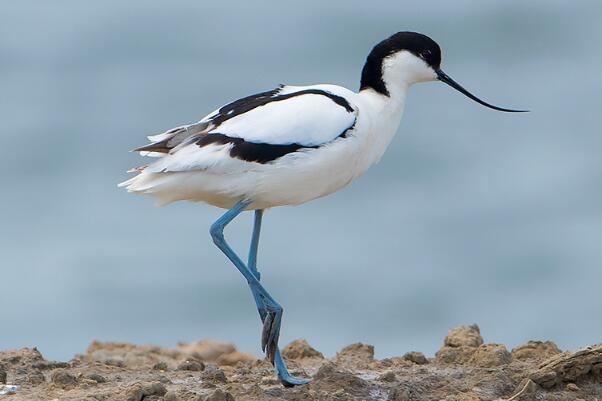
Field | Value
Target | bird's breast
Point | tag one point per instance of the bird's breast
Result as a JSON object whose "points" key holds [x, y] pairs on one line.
{"points": [[375, 128]]}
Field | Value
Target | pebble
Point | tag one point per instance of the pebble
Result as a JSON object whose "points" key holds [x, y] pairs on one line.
{"points": [[138, 391], [357, 350], [416, 357], [97, 378], [330, 378], [460, 344], [214, 375], [134, 392], [300, 349], [469, 336], [160, 366], [154, 388], [490, 356], [572, 387], [459, 355], [63, 379], [387, 377], [191, 365], [535, 350], [356, 355], [170, 396]]}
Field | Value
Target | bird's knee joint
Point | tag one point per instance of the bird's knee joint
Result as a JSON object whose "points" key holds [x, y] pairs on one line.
{"points": [[217, 233]]}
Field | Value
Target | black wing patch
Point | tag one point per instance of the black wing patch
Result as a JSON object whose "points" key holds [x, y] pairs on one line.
{"points": [[250, 151], [256, 152]]}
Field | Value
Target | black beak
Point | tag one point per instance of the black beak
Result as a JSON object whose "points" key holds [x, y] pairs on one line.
{"points": [[443, 77]]}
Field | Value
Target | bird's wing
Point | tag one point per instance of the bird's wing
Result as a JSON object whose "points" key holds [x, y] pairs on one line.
{"points": [[258, 129], [168, 140]]}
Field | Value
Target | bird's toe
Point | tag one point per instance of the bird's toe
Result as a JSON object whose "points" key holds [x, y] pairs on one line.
{"points": [[270, 333]]}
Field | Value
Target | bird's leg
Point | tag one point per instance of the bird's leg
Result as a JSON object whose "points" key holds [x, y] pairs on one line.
{"points": [[271, 315], [269, 310], [255, 244], [278, 362], [252, 264]]}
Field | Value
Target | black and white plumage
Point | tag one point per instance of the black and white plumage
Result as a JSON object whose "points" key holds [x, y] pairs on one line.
{"points": [[253, 136], [242, 125], [291, 144]]}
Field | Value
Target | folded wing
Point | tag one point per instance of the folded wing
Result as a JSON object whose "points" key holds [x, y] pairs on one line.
{"points": [[257, 129]]}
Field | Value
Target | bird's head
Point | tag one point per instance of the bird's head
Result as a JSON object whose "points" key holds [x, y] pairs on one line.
{"points": [[407, 58]]}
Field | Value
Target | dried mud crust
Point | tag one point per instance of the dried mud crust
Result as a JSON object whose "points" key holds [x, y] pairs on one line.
{"points": [[464, 369]]}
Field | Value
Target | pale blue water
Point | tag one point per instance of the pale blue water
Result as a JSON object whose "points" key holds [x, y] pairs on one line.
{"points": [[472, 215]]}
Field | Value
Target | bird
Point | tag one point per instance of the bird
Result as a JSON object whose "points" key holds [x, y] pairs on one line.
{"points": [[287, 146]]}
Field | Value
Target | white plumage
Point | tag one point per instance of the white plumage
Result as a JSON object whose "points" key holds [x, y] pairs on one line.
{"points": [[327, 163]]}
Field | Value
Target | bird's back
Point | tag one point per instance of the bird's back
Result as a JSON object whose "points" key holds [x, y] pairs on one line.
{"points": [[284, 146]]}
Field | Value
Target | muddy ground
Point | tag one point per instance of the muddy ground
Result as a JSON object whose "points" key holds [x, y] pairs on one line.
{"points": [[464, 369]]}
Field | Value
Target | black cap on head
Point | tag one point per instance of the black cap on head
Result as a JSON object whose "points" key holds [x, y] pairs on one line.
{"points": [[418, 44], [421, 46]]}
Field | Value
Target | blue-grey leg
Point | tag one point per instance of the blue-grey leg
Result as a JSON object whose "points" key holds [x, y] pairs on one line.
{"points": [[252, 264], [269, 310], [255, 243], [278, 362]]}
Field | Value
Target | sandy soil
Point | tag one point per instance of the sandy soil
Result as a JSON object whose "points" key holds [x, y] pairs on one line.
{"points": [[464, 369]]}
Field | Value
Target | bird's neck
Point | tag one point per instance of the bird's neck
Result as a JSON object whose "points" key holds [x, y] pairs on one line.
{"points": [[381, 115], [385, 107]]}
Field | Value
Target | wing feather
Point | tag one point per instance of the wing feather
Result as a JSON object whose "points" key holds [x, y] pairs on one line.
{"points": [[309, 119], [260, 128]]}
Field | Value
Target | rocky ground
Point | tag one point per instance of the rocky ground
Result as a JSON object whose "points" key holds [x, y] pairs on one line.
{"points": [[464, 369]]}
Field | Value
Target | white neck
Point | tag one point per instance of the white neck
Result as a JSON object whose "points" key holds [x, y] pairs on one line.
{"points": [[383, 106], [380, 117]]}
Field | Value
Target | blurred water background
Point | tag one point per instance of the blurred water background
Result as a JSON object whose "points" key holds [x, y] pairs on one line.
{"points": [[472, 215]]}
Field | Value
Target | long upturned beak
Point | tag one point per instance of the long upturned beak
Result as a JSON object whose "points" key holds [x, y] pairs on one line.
{"points": [[443, 77]]}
